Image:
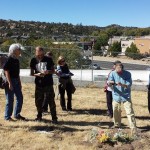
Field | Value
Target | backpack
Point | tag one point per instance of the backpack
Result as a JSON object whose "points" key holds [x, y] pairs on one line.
{"points": [[3, 80]]}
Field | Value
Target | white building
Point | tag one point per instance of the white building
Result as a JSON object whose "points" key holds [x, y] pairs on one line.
{"points": [[116, 39], [125, 44]]}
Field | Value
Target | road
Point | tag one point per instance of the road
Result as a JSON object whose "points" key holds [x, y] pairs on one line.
{"points": [[108, 65]]}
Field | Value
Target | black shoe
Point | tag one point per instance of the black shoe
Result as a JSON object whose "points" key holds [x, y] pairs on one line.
{"points": [[38, 119], [69, 109], [110, 116], [10, 119], [54, 122], [115, 127], [19, 117], [64, 108]]}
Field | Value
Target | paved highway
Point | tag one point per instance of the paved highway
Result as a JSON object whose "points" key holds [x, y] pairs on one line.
{"points": [[108, 65]]}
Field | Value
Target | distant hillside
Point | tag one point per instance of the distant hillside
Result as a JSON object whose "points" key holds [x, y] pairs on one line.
{"points": [[32, 29]]}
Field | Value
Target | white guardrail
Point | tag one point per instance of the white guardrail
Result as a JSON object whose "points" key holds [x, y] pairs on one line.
{"points": [[98, 75]]}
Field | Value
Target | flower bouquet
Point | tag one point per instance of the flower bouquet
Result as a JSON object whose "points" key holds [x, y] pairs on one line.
{"points": [[109, 137]]}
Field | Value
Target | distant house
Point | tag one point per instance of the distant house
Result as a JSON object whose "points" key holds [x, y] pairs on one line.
{"points": [[85, 45], [118, 39], [125, 44], [57, 38]]}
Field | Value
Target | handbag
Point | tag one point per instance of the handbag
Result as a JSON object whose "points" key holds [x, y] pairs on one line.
{"points": [[3, 80]]}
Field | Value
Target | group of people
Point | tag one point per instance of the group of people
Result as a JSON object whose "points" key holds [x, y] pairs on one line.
{"points": [[117, 88], [42, 67]]}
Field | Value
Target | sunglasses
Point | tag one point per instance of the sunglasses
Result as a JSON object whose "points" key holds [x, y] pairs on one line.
{"points": [[63, 61]]}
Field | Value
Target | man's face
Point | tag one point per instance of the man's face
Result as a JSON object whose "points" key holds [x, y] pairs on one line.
{"points": [[118, 69], [39, 53], [17, 52]]}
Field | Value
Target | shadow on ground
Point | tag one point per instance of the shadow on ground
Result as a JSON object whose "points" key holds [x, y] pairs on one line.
{"points": [[89, 111]]}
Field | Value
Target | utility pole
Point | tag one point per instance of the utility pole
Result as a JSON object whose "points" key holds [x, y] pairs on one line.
{"points": [[93, 42]]}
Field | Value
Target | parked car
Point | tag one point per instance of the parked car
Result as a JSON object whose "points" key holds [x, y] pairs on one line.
{"points": [[95, 67], [146, 59]]}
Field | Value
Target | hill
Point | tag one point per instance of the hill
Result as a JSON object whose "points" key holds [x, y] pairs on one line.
{"points": [[63, 31]]}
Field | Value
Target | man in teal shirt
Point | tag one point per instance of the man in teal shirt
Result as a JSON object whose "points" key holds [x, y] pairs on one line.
{"points": [[120, 80]]}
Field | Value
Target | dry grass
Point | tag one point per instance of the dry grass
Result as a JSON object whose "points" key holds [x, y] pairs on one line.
{"points": [[89, 106]]}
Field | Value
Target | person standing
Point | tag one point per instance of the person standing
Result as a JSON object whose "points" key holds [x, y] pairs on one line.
{"points": [[42, 68], [108, 91], [14, 87], [45, 103], [65, 83], [121, 82]]}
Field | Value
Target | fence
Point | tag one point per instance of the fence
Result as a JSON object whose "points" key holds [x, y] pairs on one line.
{"points": [[86, 64]]}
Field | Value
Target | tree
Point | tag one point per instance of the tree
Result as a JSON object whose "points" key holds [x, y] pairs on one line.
{"points": [[133, 52], [101, 41], [114, 31], [5, 45], [115, 49]]}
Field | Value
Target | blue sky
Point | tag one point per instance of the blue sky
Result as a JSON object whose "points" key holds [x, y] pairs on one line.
{"points": [[87, 12]]}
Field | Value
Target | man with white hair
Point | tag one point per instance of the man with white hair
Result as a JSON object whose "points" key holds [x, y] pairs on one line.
{"points": [[12, 71]]}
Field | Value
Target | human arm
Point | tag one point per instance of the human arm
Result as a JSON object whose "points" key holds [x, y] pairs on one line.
{"points": [[7, 74], [60, 73], [127, 81], [111, 80]]}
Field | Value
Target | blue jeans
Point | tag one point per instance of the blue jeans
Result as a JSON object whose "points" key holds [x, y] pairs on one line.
{"points": [[10, 99]]}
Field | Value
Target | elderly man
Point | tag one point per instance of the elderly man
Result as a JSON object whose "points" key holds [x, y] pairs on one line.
{"points": [[121, 82], [42, 67], [108, 91], [12, 71]]}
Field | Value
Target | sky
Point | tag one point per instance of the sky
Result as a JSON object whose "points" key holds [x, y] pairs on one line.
{"points": [[87, 12]]}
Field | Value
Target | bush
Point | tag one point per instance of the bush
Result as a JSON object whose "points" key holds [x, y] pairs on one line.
{"points": [[115, 49], [133, 52]]}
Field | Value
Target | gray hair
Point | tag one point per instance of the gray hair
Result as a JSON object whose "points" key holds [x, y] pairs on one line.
{"points": [[13, 48]]}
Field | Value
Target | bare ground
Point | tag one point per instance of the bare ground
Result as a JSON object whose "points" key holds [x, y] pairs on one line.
{"points": [[89, 110]]}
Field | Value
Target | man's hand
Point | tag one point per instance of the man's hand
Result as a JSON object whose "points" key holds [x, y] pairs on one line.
{"points": [[110, 83], [46, 72], [120, 84], [10, 86], [39, 74]]}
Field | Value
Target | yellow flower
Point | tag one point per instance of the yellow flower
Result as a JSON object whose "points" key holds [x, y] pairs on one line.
{"points": [[103, 138]]}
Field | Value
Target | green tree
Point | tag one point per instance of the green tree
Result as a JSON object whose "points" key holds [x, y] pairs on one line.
{"points": [[115, 49], [5, 45], [101, 41], [42, 42], [133, 52]]}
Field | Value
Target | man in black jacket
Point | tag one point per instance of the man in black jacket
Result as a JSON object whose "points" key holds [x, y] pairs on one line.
{"points": [[42, 68]]}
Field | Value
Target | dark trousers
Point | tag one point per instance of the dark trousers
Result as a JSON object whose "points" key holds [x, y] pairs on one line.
{"points": [[68, 89], [109, 102], [45, 104], [149, 101], [48, 93]]}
